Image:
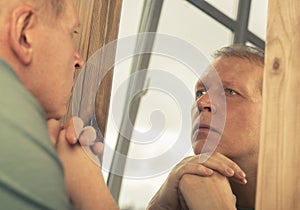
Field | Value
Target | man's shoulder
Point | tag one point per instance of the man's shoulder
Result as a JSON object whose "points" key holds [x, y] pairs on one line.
{"points": [[29, 164], [12, 90], [16, 103], [22, 118]]}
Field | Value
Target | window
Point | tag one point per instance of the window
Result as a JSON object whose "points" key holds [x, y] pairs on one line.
{"points": [[187, 22]]}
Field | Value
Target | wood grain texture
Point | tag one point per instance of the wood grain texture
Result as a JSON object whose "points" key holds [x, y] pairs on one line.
{"points": [[85, 10], [111, 12], [279, 159], [99, 26]]}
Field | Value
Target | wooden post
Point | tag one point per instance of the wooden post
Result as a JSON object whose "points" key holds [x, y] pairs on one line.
{"points": [[99, 25], [279, 158]]}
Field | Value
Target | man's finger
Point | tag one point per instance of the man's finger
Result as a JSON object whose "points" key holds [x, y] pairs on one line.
{"points": [[73, 128], [97, 148], [87, 136], [225, 166]]}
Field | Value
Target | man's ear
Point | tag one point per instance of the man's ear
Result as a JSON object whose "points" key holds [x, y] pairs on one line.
{"points": [[23, 20]]}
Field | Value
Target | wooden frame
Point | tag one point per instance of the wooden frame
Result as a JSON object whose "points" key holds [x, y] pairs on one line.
{"points": [[99, 25], [278, 172]]}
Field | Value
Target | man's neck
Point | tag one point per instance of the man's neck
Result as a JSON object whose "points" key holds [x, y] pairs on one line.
{"points": [[245, 194]]}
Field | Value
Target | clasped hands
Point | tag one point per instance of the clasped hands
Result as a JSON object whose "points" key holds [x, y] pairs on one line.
{"points": [[75, 132], [194, 185], [84, 181], [190, 185]]}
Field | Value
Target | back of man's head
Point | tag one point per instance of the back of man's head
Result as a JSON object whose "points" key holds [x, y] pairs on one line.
{"points": [[49, 8]]}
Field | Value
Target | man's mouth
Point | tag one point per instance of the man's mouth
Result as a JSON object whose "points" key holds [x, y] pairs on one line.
{"points": [[204, 128]]}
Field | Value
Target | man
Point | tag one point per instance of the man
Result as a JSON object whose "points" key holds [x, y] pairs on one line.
{"points": [[37, 60], [240, 70]]}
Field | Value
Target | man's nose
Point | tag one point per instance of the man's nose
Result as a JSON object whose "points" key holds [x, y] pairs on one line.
{"points": [[79, 62], [204, 103]]}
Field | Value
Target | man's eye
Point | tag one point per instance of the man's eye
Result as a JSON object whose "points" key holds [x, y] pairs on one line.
{"points": [[230, 92], [200, 93], [74, 33]]}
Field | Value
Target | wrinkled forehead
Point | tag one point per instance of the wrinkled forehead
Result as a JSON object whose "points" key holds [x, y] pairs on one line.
{"points": [[232, 70]]}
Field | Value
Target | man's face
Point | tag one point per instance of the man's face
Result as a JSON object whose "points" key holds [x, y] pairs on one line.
{"points": [[54, 61], [241, 80]]}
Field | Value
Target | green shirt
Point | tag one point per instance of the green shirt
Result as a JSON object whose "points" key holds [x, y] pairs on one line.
{"points": [[31, 176]]}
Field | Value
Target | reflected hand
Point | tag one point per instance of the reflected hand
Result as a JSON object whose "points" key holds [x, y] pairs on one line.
{"points": [[209, 193], [86, 136], [167, 197]]}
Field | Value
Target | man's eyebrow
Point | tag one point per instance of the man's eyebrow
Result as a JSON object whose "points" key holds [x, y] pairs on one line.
{"points": [[199, 84], [238, 87], [231, 84], [227, 83]]}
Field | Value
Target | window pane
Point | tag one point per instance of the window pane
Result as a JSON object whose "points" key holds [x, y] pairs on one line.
{"points": [[136, 194], [185, 21], [258, 18], [130, 17], [228, 7], [194, 26]]}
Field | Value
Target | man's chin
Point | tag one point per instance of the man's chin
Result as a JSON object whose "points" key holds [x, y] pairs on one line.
{"points": [[58, 115], [198, 145], [204, 146]]}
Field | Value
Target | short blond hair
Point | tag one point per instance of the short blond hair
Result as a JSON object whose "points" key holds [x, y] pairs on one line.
{"points": [[251, 53], [52, 8]]}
